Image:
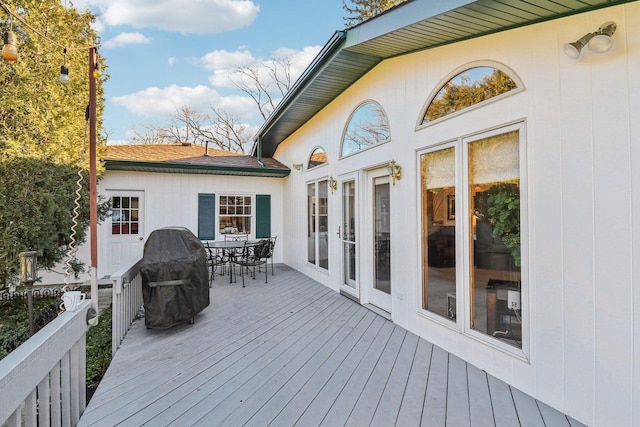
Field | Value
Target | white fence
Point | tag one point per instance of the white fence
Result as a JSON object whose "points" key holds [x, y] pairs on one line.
{"points": [[127, 300], [44, 380]]}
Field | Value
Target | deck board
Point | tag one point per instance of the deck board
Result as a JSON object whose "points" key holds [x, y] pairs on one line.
{"points": [[413, 399], [293, 352]]}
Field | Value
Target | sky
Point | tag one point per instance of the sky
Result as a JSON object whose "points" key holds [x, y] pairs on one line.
{"points": [[166, 54]]}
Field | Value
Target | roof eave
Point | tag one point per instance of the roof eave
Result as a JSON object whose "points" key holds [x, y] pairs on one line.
{"points": [[355, 51], [169, 167]]}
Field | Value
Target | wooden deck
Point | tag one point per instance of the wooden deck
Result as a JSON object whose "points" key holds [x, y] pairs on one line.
{"points": [[293, 352]]}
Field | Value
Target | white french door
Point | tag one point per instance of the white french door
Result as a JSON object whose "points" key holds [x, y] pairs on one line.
{"points": [[379, 287]]}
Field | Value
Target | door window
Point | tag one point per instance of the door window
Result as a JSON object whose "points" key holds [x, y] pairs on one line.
{"points": [[318, 223], [125, 215]]}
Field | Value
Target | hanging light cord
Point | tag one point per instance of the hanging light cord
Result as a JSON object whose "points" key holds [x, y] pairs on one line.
{"points": [[26, 24], [73, 249]]}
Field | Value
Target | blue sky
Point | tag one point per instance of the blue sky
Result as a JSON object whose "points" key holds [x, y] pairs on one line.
{"points": [[165, 54]]}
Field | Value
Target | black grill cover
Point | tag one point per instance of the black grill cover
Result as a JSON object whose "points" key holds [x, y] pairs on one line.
{"points": [[175, 279]]}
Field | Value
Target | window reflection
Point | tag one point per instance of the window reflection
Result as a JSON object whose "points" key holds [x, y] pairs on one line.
{"points": [[367, 127], [439, 232], [494, 213], [466, 89], [318, 157]]}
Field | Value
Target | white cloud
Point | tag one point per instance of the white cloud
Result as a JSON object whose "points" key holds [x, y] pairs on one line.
{"points": [[222, 59], [300, 59], [172, 61], [182, 16], [124, 39], [224, 63], [158, 104], [154, 102]]}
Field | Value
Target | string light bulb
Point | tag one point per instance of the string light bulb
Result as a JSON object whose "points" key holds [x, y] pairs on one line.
{"points": [[64, 75], [64, 70], [10, 48], [96, 69]]}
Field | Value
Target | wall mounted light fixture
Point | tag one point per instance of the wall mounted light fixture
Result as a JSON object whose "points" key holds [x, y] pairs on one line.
{"points": [[333, 184], [598, 42], [395, 171], [297, 166]]}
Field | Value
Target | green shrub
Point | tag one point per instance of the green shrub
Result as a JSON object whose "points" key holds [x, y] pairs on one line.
{"points": [[14, 330], [99, 349]]}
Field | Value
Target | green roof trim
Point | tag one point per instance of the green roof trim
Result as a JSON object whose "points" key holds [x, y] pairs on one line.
{"points": [[192, 169]]}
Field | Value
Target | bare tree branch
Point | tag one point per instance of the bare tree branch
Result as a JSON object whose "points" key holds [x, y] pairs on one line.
{"points": [[265, 85]]}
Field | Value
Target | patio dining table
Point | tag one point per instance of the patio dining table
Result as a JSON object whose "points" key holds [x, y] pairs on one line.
{"points": [[230, 250]]}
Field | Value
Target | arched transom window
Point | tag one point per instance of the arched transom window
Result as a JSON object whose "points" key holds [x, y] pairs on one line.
{"points": [[367, 126], [318, 157], [469, 88]]}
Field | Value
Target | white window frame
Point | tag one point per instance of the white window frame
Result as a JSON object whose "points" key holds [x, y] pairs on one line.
{"points": [[252, 221], [464, 245]]}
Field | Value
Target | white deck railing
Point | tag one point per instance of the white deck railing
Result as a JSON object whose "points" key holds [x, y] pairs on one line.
{"points": [[44, 380], [127, 300]]}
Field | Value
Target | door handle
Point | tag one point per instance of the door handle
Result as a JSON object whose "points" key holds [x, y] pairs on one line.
{"points": [[338, 233]]}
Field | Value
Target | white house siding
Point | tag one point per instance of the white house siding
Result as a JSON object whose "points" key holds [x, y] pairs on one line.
{"points": [[582, 127], [171, 199]]}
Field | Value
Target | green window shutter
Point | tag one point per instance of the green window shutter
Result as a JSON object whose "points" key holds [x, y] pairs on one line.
{"points": [[263, 215], [206, 216]]}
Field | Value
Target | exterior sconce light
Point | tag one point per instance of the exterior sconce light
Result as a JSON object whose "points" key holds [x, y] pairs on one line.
{"points": [[601, 42], [395, 171], [28, 275], [333, 184], [10, 48], [598, 42], [297, 166]]}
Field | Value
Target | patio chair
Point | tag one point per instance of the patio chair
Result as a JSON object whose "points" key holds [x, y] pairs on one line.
{"points": [[215, 259], [272, 241], [251, 257]]}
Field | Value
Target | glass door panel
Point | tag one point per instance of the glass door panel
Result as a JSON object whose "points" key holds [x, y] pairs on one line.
{"points": [[348, 234], [382, 235]]}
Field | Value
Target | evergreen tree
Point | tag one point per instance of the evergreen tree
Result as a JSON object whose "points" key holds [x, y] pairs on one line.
{"points": [[43, 129]]}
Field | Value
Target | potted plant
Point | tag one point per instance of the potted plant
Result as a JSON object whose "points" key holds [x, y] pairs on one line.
{"points": [[504, 215]]}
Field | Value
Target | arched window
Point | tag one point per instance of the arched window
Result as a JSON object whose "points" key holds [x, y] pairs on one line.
{"points": [[469, 88], [318, 157], [367, 126]]}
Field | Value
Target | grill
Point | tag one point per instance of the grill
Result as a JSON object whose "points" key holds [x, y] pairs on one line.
{"points": [[175, 282]]}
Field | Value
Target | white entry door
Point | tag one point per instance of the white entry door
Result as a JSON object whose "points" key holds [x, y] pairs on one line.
{"points": [[380, 284], [125, 229]]}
